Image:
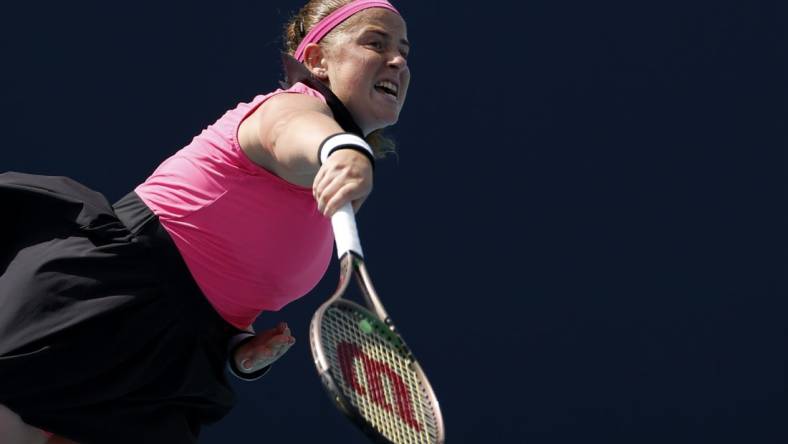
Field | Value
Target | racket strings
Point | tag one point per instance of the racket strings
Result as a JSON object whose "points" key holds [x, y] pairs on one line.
{"points": [[373, 369]]}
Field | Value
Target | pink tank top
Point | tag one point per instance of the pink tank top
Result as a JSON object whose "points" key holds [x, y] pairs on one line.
{"points": [[252, 241]]}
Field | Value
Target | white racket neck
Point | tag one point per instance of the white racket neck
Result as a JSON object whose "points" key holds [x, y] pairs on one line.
{"points": [[368, 290], [351, 256]]}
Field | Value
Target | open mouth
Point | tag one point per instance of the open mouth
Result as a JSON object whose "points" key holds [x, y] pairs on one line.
{"points": [[387, 87]]}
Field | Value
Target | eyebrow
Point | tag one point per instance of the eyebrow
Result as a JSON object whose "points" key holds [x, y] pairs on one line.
{"points": [[386, 35]]}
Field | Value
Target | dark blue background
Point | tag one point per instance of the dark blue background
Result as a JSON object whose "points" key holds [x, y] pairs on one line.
{"points": [[582, 238]]}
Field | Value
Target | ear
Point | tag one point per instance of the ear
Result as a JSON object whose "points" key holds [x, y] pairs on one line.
{"points": [[314, 60]]}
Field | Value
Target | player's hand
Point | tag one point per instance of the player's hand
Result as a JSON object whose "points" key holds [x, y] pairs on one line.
{"points": [[264, 349], [346, 176]]}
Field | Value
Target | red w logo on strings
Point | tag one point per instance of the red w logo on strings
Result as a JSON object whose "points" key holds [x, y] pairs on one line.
{"points": [[374, 370]]}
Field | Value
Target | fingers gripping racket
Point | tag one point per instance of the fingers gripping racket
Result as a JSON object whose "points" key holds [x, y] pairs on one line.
{"points": [[363, 362]]}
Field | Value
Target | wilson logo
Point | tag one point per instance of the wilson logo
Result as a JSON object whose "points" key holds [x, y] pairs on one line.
{"points": [[375, 371]]}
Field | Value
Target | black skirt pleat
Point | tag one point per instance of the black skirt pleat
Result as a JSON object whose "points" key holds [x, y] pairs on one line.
{"points": [[104, 335]]}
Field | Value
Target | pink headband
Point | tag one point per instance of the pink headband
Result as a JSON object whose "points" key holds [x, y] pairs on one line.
{"points": [[333, 20]]}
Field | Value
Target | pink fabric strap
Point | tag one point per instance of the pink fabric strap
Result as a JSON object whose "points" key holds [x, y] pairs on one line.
{"points": [[333, 20]]}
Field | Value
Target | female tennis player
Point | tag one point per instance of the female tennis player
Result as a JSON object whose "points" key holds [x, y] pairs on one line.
{"points": [[117, 320]]}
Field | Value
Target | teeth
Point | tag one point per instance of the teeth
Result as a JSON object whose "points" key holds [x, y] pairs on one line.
{"points": [[388, 86]]}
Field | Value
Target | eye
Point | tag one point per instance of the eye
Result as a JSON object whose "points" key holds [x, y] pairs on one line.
{"points": [[376, 44]]}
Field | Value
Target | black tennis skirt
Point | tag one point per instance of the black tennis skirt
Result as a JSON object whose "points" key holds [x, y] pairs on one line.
{"points": [[104, 335]]}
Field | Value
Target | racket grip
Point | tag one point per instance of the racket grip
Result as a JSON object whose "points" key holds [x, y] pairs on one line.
{"points": [[345, 232]]}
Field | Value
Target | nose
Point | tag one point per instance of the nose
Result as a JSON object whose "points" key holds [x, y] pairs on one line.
{"points": [[398, 61]]}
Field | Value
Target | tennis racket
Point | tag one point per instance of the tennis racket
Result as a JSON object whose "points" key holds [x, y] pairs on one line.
{"points": [[364, 364]]}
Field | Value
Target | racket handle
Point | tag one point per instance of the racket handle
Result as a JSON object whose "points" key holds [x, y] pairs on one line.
{"points": [[345, 232]]}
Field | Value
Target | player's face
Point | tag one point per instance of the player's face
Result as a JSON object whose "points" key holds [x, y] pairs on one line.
{"points": [[367, 68]]}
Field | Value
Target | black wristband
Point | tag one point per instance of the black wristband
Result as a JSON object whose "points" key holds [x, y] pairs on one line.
{"points": [[343, 141]]}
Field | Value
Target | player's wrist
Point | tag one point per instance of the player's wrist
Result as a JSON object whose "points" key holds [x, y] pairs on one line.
{"points": [[233, 366], [342, 141]]}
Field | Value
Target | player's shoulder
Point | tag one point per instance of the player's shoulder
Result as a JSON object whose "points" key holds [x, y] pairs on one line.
{"points": [[286, 104], [297, 96], [289, 101], [294, 99]]}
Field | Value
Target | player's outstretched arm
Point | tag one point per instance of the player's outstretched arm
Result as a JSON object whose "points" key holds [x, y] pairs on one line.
{"points": [[284, 136]]}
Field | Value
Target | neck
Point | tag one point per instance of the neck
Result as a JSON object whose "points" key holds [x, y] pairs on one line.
{"points": [[296, 72]]}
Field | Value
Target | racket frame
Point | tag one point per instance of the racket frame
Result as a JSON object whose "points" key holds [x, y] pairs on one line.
{"points": [[352, 265]]}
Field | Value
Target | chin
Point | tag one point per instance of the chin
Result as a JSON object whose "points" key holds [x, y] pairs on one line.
{"points": [[388, 120], [379, 125], [377, 119]]}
